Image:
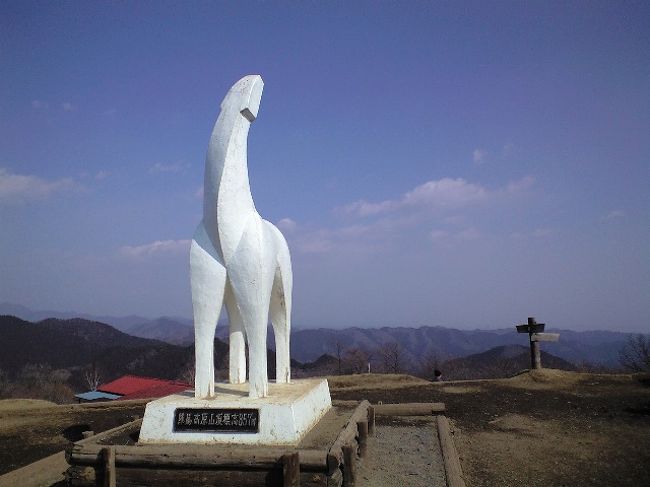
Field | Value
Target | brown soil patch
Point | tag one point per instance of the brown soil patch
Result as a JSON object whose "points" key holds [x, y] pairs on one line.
{"points": [[549, 428], [29, 434]]}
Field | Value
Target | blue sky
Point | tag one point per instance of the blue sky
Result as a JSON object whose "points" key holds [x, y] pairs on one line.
{"points": [[462, 164]]}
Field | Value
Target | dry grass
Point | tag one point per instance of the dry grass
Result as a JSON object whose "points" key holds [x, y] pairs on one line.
{"points": [[373, 381], [22, 404], [547, 379], [458, 389]]}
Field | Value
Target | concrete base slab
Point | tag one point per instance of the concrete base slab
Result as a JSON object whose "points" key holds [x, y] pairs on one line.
{"points": [[282, 418]]}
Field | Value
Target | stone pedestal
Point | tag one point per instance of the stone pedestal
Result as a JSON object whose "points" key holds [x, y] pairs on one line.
{"points": [[282, 418]]}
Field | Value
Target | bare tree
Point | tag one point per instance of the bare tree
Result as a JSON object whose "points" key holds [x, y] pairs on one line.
{"points": [[188, 374], [356, 360], [635, 354], [92, 377], [391, 354], [339, 352]]}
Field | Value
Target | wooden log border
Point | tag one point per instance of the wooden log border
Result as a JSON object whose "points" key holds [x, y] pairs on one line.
{"points": [[453, 471], [291, 470], [202, 457], [409, 409], [338, 460]]}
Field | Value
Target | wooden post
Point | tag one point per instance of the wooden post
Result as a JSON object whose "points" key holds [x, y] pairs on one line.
{"points": [[536, 334], [371, 420], [349, 475], [362, 427], [108, 457], [535, 355], [291, 470]]}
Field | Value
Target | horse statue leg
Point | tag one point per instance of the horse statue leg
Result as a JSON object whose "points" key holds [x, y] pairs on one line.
{"points": [[208, 281]]}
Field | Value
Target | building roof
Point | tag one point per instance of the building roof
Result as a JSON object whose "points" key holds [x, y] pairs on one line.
{"points": [[97, 395], [135, 387]]}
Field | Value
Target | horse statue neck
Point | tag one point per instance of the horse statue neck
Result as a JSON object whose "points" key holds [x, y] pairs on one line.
{"points": [[227, 199]]}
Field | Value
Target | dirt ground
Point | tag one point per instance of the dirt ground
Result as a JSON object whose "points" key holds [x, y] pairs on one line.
{"points": [[405, 452], [542, 429], [31, 430], [549, 428]]}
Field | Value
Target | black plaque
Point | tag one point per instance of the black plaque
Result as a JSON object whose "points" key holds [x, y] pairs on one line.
{"points": [[216, 420]]}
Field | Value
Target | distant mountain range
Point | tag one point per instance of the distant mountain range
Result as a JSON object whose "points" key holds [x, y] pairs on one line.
{"points": [[415, 344], [78, 345]]}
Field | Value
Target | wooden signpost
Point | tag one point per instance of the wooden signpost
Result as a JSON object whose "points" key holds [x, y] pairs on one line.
{"points": [[536, 334]]}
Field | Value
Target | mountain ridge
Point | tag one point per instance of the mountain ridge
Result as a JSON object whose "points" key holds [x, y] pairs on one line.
{"points": [[599, 347]]}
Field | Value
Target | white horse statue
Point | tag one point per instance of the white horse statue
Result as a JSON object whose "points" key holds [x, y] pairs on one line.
{"points": [[237, 258]]}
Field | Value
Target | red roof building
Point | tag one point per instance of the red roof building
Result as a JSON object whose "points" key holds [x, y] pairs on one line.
{"points": [[135, 387]]}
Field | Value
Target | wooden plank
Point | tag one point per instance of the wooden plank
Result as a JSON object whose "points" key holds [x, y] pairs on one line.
{"points": [[450, 458], [141, 477], [291, 470], [545, 337], [523, 329], [362, 428], [409, 409], [349, 467], [147, 477], [349, 432], [371, 420], [133, 425], [345, 403], [108, 456], [198, 456]]}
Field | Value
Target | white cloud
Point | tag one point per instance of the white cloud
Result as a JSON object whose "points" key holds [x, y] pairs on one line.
{"points": [[543, 232], [20, 188], [360, 238], [363, 208], [478, 155], [38, 104], [470, 233], [438, 235], [444, 236], [445, 192], [68, 107], [508, 149], [287, 225], [386, 223], [537, 233], [613, 215], [520, 185], [438, 194], [110, 112], [102, 175], [159, 247], [175, 167]]}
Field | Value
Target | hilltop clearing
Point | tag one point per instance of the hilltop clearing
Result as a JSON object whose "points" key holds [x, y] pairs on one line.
{"points": [[540, 428]]}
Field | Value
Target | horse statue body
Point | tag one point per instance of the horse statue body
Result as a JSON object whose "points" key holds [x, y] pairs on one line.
{"points": [[238, 259]]}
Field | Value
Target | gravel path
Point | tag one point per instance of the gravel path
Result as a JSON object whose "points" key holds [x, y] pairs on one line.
{"points": [[404, 452]]}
